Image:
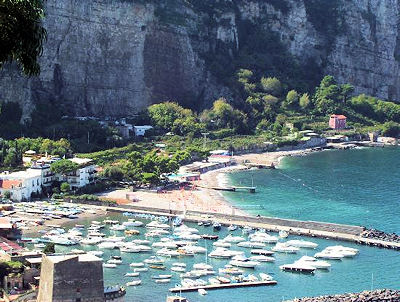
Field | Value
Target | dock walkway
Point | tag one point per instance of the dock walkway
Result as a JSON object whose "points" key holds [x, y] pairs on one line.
{"points": [[297, 227], [222, 286]]}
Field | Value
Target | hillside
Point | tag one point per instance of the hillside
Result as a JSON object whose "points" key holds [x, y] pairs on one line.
{"points": [[116, 57]]}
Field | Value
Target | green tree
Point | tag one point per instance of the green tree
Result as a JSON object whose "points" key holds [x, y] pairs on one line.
{"points": [[22, 33], [114, 173], [65, 187], [327, 97], [63, 166], [304, 101], [391, 129], [292, 100], [346, 91], [271, 86], [7, 194], [49, 248]]}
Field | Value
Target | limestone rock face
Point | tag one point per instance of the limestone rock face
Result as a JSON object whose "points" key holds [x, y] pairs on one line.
{"points": [[116, 57]]}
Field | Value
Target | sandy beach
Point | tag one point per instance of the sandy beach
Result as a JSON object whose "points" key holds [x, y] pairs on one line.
{"points": [[199, 197]]}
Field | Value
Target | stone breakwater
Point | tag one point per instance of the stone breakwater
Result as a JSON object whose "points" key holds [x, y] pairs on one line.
{"points": [[384, 295], [376, 234]]}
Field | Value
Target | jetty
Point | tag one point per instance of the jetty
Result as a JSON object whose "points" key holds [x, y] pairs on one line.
{"points": [[351, 233], [223, 286]]}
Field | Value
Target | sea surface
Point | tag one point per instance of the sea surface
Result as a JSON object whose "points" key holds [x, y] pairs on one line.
{"points": [[354, 187]]}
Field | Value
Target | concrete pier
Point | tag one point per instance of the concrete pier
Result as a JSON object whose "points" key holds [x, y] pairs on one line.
{"points": [[222, 286]]}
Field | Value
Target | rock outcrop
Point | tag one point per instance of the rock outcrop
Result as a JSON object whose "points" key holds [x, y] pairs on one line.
{"points": [[115, 57]]}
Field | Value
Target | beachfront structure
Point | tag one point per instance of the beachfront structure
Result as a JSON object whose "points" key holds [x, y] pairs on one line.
{"points": [[141, 130], [22, 185], [70, 278], [83, 176], [337, 121]]}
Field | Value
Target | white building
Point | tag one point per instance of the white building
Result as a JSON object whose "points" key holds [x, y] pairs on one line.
{"points": [[83, 176], [141, 130], [22, 185]]}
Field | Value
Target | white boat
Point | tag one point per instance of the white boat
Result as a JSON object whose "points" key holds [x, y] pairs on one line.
{"points": [[144, 248], [178, 269], [185, 229], [202, 291], [189, 236], [165, 244], [283, 248], [214, 281], [140, 269], [132, 274], [262, 258], [180, 264], [229, 270], [163, 280], [114, 239], [251, 244], [233, 239], [157, 225], [202, 266], [132, 223], [114, 261], [223, 253], [232, 228], [221, 243], [39, 245], [242, 261], [107, 245], [265, 277], [302, 244], [263, 237], [283, 234], [320, 264], [130, 249], [167, 253], [298, 267], [194, 249], [136, 264], [109, 265], [91, 240], [154, 260], [346, 251], [118, 227], [141, 241], [134, 283], [161, 277], [331, 255]]}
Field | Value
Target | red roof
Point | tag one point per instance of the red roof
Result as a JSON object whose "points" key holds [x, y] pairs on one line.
{"points": [[339, 116], [7, 245], [9, 184]]}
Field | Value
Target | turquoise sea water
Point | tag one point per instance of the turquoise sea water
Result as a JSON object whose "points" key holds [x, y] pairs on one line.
{"points": [[359, 187], [351, 186]]}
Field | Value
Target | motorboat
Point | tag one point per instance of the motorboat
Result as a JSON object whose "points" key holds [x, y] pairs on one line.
{"points": [[202, 266], [331, 255], [265, 277], [232, 228], [242, 261], [132, 274], [221, 253], [213, 281], [157, 225], [283, 234], [107, 245], [134, 283], [180, 264], [262, 258], [261, 252], [216, 226], [132, 223], [209, 237], [141, 241], [114, 238], [251, 244], [154, 260], [301, 267], [221, 243], [115, 261], [320, 264], [185, 229], [163, 280], [161, 277], [140, 269], [202, 291], [302, 244], [233, 239], [167, 253], [283, 248], [91, 240], [223, 280], [156, 266], [130, 249], [263, 237], [194, 249], [132, 232], [118, 227], [229, 270], [189, 236], [346, 251], [96, 253], [178, 269], [136, 264], [109, 265]]}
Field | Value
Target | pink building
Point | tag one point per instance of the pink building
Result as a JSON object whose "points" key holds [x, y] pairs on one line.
{"points": [[337, 121]]}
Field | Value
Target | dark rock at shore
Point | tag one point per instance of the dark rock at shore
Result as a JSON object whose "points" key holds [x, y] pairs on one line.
{"points": [[376, 234], [384, 295]]}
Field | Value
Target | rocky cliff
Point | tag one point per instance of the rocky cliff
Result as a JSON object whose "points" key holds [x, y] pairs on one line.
{"points": [[115, 57]]}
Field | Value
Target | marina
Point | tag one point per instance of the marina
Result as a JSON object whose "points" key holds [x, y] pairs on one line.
{"points": [[223, 286]]}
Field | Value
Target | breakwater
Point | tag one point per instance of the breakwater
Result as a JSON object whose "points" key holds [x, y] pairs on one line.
{"points": [[376, 234], [381, 295], [297, 227]]}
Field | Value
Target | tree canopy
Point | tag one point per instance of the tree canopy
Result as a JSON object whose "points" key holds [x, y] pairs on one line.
{"points": [[22, 33], [63, 166]]}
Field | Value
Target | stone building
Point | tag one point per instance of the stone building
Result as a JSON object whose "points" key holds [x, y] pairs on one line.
{"points": [[71, 278]]}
